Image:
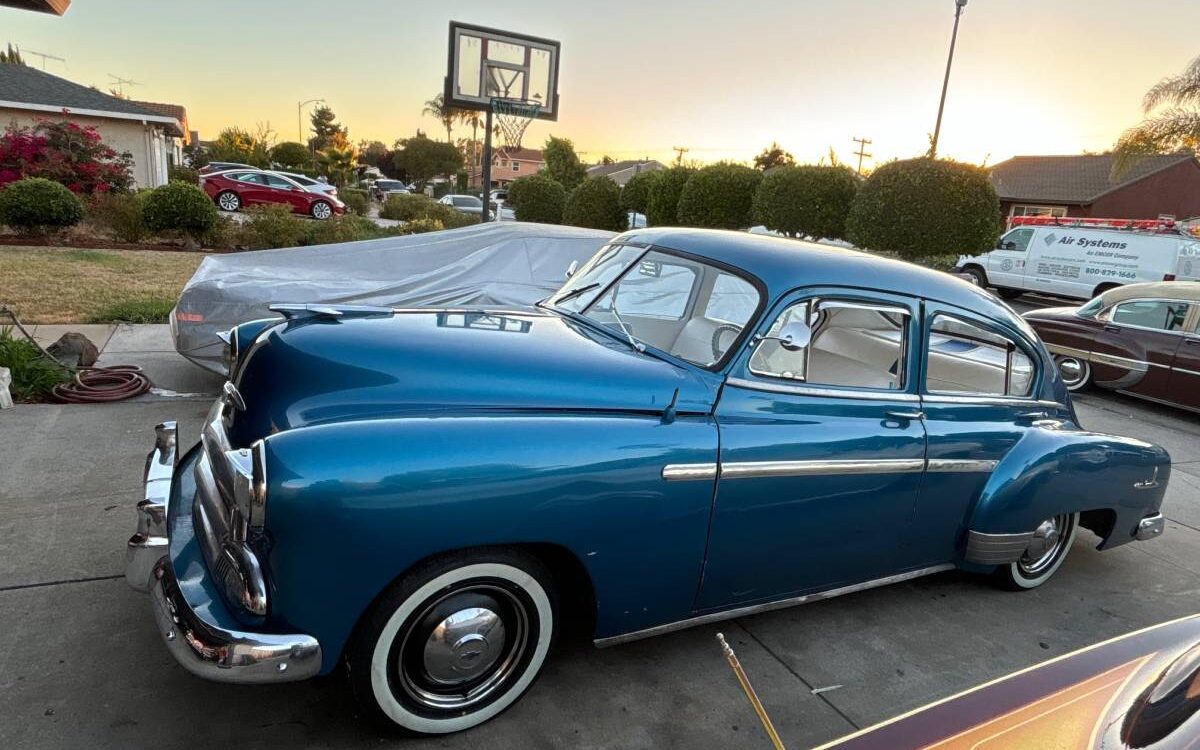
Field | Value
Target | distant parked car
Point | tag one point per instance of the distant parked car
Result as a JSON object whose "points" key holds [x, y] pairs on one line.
{"points": [[310, 184], [222, 166], [383, 189], [235, 189], [469, 204]]}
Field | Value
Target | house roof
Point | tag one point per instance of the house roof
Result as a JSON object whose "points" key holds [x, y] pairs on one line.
{"points": [[57, 7], [521, 154], [178, 111], [23, 87], [1071, 179], [604, 170]]}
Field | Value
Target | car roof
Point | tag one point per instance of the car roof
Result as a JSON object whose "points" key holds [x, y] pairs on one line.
{"points": [[1182, 290], [784, 264]]}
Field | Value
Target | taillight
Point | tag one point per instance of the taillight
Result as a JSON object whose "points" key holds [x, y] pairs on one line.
{"points": [[188, 317]]}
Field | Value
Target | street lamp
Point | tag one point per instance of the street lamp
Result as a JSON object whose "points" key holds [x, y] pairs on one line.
{"points": [[300, 109], [937, 129]]}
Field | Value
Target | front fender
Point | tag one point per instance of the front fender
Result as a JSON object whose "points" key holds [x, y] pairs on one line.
{"points": [[351, 506], [1053, 471]]}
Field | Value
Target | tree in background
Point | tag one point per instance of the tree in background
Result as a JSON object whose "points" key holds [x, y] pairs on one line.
{"points": [[562, 163], [635, 196], [12, 56], [595, 203], [238, 145], [291, 155], [607, 160], [773, 156], [719, 196], [65, 152], [474, 118], [537, 198], [810, 200], [326, 130], [662, 210], [1175, 127], [447, 114], [372, 153], [925, 207], [423, 159]]}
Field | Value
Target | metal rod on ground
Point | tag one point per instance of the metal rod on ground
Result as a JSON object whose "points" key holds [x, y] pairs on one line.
{"points": [[740, 673], [486, 174]]}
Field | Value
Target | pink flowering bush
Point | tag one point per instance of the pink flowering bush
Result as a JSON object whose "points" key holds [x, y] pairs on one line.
{"points": [[65, 152]]}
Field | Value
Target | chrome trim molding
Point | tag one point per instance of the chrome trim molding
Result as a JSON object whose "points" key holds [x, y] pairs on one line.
{"points": [[752, 469], [149, 543], [754, 609], [1148, 484], [689, 472], [996, 549], [1151, 527], [954, 465], [1067, 351], [801, 389]]}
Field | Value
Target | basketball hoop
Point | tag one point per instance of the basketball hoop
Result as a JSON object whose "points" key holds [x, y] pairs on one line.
{"points": [[513, 117]]}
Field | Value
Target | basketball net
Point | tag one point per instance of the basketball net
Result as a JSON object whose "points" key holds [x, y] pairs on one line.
{"points": [[513, 117]]}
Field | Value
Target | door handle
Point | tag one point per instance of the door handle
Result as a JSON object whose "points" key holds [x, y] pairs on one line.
{"points": [[1112, 328], [905, 415], [1191, 341], [1033, 415]]}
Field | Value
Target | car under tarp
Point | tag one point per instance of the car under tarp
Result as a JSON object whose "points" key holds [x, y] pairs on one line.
{"points": [[509, 264]]}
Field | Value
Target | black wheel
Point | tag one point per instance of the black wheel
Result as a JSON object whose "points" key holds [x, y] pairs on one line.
{"points": [[320, 210], [228, 201], [1009, 293], [1050, 546], [976, 276], [1076, 373], [454, 642]]}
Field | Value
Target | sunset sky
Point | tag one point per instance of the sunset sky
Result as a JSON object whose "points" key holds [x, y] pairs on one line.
{"points": [[722, 78]]}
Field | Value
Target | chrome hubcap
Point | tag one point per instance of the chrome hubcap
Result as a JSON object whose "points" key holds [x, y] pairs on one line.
{"points": [[462, 647], [1071, 370], [1046, 545]]}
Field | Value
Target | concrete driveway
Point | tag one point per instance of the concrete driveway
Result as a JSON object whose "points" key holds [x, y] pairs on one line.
{"points": [[81, 663]]}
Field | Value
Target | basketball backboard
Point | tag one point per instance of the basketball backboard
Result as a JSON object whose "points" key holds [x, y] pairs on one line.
{"points": [[487, 64]]}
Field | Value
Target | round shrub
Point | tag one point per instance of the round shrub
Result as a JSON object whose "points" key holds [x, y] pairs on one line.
{"points": [[596, 203], [662, 209], [183, 174], [808, 201], [719, 196], [923, 207], [119, 214], [179, 207], [37, 205], [537, 198], [635, 196], [357, 201], [408, 207]]}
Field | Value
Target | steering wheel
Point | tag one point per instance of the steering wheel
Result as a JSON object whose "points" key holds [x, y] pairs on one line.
{"points": [[717, 350]]}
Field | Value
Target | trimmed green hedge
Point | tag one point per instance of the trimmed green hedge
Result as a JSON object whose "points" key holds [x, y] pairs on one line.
{"points": [[635, 196], [662, 208], [38, 205], [178, 206], [923, 207], [537, 198], [719, 196], [810, 200], [412, 207], [596, 203]]}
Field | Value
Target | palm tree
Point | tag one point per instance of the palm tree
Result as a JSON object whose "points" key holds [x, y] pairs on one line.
{"points": [[438, 108], [472, 117], [1174, 128]]}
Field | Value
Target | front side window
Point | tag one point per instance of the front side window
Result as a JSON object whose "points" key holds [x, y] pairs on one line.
{"points": [[688, 308], [1017, 240], [964, 358], [851, 344], [1158, 314]]}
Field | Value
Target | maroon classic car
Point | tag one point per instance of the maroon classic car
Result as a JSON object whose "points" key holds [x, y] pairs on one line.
{"points": [[1140, 339]]}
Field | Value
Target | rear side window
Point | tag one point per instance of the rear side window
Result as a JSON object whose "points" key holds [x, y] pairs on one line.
{"points": [[967, 359], [1159, 315]]}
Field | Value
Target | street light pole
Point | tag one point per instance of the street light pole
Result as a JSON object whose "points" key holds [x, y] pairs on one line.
{"points": [[299, 118], [937, 129]]}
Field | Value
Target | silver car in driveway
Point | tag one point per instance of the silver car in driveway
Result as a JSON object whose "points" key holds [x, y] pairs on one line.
{"points": [[509, 264]]}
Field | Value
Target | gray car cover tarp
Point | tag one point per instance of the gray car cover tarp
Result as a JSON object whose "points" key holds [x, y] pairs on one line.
{"points": [[499, 264]]}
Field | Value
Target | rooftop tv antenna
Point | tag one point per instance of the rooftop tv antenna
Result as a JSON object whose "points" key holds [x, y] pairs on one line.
{"points": [[121, 83], [45, 56]]}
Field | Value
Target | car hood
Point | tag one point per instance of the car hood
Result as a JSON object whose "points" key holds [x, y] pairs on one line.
{"points": [[320, 370]]}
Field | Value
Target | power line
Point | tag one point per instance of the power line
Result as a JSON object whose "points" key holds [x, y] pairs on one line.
{"points": [[862, 150]]}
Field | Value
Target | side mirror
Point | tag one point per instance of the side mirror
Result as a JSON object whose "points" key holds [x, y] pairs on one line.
{"points": [[571, 269], [794, 336]]}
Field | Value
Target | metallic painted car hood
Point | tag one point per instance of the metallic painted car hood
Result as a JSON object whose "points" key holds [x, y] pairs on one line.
{"points": [[439, 361]]}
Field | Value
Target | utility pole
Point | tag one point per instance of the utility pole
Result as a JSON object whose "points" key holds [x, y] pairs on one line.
{"points": [[299, 118], [121, 83], [679, 152], [44, 56], [937, 129], [862, 150]]}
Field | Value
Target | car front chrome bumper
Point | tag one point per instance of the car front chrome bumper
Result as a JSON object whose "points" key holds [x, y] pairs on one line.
{"points": [[196, 631]]}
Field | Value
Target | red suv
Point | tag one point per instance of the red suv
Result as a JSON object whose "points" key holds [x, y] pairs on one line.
{"points": [[247, 187]]}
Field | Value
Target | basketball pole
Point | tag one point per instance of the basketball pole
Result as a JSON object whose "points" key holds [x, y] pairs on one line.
{"points": [[485, 175]]}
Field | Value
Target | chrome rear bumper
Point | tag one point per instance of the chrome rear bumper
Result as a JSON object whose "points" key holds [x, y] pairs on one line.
{"points": [[191, 630]]}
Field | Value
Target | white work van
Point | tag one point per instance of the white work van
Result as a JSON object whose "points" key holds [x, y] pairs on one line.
{"points": [[1077, 261]]}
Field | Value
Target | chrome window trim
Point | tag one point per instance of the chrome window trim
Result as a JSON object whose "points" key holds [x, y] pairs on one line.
{"points": [[1105, 315], [812, 390], [1013, 343], [754, 609]]}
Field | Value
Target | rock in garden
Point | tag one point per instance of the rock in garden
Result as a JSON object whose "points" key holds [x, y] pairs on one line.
{"points": [[74, 350]]}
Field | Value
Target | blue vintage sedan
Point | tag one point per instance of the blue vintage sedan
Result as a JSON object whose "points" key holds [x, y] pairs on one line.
{"points": [[698, 425]]}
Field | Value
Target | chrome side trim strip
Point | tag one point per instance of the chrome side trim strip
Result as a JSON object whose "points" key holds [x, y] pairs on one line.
{"points": [[801, 389], [996, 549], [1067, 351], [1115, 361], [689, 472], [954, 465], [754, 609], [1186, 372], [942, 398], [751, 469]]}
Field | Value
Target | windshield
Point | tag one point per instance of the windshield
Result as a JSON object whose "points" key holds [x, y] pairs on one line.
{"points": [[687, 308], [388, 184], [1091, 308]]}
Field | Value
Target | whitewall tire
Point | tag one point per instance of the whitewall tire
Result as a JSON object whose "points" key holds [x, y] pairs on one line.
{"points": [[1050, 546], [1076, 373], [455, 642]]}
